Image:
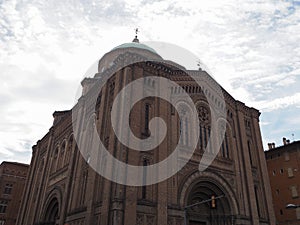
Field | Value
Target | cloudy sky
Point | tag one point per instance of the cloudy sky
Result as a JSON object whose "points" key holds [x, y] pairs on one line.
{"points": [[250, 46]]}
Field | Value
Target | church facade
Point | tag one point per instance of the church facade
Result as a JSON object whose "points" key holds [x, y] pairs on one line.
{"points": [[62, 188]]}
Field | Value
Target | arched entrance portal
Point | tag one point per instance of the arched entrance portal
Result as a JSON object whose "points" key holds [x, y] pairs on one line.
{"points": [[205, 213], [51, 214]]}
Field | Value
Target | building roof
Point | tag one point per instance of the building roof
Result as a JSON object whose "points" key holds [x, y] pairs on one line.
{"points": [[135, 45], [108, 61], [283, 148], [14, 163]]}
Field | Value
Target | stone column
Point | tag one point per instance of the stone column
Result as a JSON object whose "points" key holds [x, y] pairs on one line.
{"points": [[162, 195], [45, 176], [241, 108], [267, 193], [26, 203]]}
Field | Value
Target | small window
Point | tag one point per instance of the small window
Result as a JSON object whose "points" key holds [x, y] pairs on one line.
{"points": [[290, 172], [298, 213], [281, 171], [250, 153], [3, 206], [274, 173], [147, 109], [56, 152], [172, 110], [8, 189], [294, 191], [277, 191], [281, 212], [144, 187], [286, 156], [62, 150]]}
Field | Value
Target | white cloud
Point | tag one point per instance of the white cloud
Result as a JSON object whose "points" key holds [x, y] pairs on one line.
{"points": [[279, 103], [251, 47]]}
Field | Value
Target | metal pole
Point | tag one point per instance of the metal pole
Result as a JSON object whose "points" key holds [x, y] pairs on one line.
{"points": [[185, 216]]}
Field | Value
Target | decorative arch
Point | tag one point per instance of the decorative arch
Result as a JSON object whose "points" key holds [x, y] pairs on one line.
{"points": [[200, 186], [52, 207], [204, 113], [52, 211]]}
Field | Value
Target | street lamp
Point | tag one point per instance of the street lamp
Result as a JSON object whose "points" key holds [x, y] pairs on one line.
{"points": [[213, 198], [292, 206]]}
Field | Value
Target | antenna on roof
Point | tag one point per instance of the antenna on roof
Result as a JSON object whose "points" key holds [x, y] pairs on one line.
{"points": [[136, 33]]}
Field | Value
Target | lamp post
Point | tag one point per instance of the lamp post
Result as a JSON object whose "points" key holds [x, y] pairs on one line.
{"points": [[292, 206], [198, 203]]}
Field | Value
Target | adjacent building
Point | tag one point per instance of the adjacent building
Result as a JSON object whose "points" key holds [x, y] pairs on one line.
{"points": [[284, 171], [62, 188], [12, 182]]}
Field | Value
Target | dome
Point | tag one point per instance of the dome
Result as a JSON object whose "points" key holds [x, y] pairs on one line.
{"points": [[135, 45], [108, 60]]}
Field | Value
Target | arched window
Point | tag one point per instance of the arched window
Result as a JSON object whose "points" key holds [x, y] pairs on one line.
{"points": [[225, 146], [200, 137], [69, 150], [250, 153], [206, 136], [257, 197], [98, 103], [180, 132], [184, 125], [225, 135], [204, 126], [85, 177], [61, 156], [83, 184], [147, 109], [223, 149], [186, 128], [144, 187], [54, 159], [183, 131]]}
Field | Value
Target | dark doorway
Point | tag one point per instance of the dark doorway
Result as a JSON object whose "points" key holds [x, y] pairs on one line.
{"points": [[206, 213], [51, 214]]}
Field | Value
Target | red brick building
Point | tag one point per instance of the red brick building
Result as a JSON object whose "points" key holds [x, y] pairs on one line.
{"points": [[12, 182], [62, 188], [283, 164]]}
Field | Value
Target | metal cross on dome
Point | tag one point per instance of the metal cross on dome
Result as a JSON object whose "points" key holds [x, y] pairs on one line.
{"points": [[136, 31], [136, 39]]}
